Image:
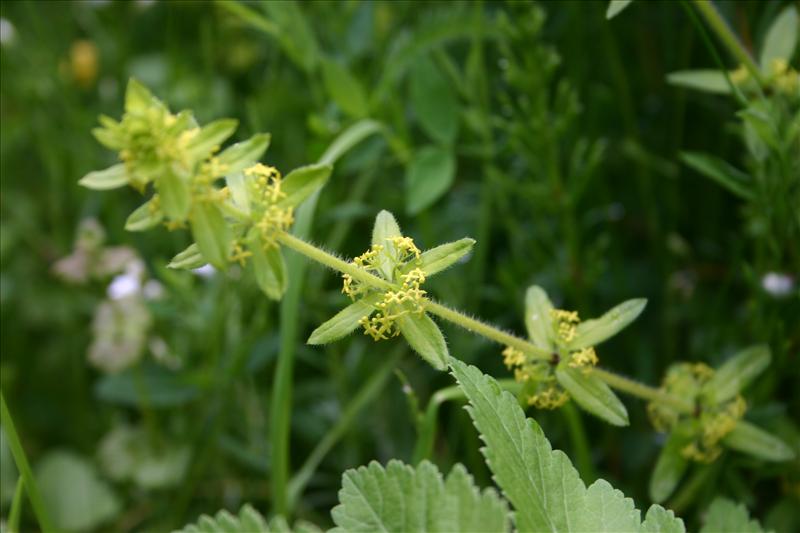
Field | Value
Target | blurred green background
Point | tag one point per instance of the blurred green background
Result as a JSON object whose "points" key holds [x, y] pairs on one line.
{"points": [[551, 137]]}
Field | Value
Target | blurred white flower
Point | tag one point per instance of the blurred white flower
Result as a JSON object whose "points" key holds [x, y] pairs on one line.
{"points": [[123, 286], [777, 284], [152, 290], [206, 271], [7, 32]]}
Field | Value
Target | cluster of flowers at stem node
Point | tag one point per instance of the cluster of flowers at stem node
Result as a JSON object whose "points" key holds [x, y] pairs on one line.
{"points": [[708, 424], [269, 215], [407, 297], [542, 389]]}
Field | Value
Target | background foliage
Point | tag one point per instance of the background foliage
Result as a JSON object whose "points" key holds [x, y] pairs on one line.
{"points": [[542, 130]]}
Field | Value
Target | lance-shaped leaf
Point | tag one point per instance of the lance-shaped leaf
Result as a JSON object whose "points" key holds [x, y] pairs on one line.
{"points": [[385, 228], [736, 373], [425, 337], [301, 183], [781, 39], [188, 259], [269, 268], [239, 196], [245, 154], [754, 441], [144, 217], [615, 7], [708, 80], [210, 136], [545, 489], [669, 469], [593, 332], [345, 321], [721, 172], [441, 257], [404, 498], [538, 319], [138, 98], [110, 135], [724, 516], [211, 233], [592, 394], [176, 198], [106, 179]]}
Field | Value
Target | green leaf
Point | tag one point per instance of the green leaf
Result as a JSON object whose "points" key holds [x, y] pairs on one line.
{"points": [[245, 154], [593, 332], [615, 7], [429, 175], [294, 33], [211, 233], [144, 217], [737, 373], [434, 102], [443, 256], [592, 394], [724, 516], [210, 137], [538, 319], [348, 139], [721, 172], [269, 268], [754, 441], [138, 98], [781, 39], [106, 179], [344, 89], [543, 486], [176, 198], [240, 197], [76, 498], [301, 183], [345, 321], [188, 259], [669, 469], [247, 521], [402, 498], [707, 80], [660, 520], [425, 337], [384, 229]]}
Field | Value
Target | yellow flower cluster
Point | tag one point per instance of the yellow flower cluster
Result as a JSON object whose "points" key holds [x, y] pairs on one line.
{"points": [[583, 358], [265, 193], [542, 390], [566, 323], [709, 424], [408, 298], [705, 448]]}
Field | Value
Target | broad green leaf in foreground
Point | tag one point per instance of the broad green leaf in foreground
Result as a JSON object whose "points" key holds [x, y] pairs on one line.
{"points": [[724, 516], [402, 498], [541, 483], [248, 520]]}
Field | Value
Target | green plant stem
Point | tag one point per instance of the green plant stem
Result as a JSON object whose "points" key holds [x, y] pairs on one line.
{"points": [[646, 392], [21, 460], [728, 38], [363, 397], [485, 330], [333, 262], [427, 428], [616, 381], [15, 513]]}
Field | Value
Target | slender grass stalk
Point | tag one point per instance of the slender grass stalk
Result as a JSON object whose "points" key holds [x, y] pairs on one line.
{"points": [[21, 460], [15, 513], [427, 430], [362, 398], [580, 444], [718, 24]]}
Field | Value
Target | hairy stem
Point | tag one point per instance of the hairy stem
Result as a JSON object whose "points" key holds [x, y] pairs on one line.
{"points": [[478, 327], [646, 392]]}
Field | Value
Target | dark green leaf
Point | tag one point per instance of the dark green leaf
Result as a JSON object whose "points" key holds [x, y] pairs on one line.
{"points": [[269, 268], [434, 101], [720, 171], [754, 441], [615, 7], [429, 175], [345, 89], [670, 467], [736, 373], [593, 332]]}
